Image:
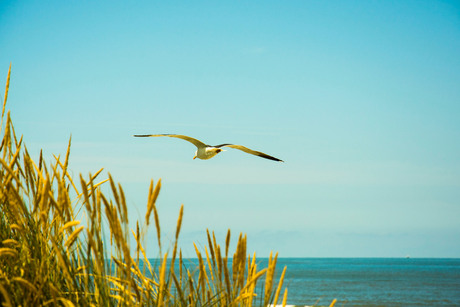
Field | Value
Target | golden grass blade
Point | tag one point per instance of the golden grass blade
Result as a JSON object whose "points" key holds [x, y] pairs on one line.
{"points": [[253, 280], [153, 195], [333, 302], [124, 213], [117, 281], [6, 297], [178, 227], [85, 191], [157, 225], [219, 263], [149, 209], [137, 295], [6, 92], [67, 175], [242, 261], [68, 225], [244, 296], [173, 258], [202, 278], [25, 283], [99, 183], [73, 236], [214, 241], [227, 243], [227, 277], [211, 271], [93, 177], [54, 167], [270, 276], [62, 262], [285, 297], [179, 290], [11, 172], [145, 282], [6, 251], [16, 155], [66, 161], [137, 236], [64, 301], [40, 160], [211, 249], [179, 221], [16, 227], [253, 268], [162, 281], [252, 271], [146, 261], [280, 284], [114, 191], [10, 242], [180, 265]]}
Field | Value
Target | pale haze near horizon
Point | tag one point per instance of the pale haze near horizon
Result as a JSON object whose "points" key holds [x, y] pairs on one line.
{"points": [[361, 99]]}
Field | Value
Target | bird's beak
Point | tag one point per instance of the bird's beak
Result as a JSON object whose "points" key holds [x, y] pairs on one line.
{"points": [[194, 157]]}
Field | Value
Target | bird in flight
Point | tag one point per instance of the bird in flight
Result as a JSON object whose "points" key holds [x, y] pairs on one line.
{"points": [[206, 152]]}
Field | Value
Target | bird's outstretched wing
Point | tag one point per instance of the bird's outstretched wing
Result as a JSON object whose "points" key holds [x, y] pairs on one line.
{"points": [[195, 142], [249, 151]]}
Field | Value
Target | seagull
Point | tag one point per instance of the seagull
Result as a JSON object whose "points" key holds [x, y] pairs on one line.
{"points": [[206, 152]]}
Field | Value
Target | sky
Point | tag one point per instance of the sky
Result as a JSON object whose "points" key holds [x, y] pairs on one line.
{"points": [[361, 99]]}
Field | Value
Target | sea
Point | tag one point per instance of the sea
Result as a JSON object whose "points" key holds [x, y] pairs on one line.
{"points": [[372, 281], [389, 282]]}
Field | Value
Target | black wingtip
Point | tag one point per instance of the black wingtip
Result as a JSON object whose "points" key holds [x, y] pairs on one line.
{"points": [[271, 158]]}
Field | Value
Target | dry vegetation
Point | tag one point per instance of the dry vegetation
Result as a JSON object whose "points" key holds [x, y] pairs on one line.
{"points": [[52, 251]]}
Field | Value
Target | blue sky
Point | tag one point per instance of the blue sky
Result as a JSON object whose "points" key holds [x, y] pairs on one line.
{"points": [[360, 98]]}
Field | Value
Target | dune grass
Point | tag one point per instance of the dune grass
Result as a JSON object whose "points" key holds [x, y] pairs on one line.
{"points": [[53, 252]]}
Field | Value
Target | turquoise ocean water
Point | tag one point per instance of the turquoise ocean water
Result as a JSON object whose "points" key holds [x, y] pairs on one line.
{"points": [[367, 281], [372, 281]]}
